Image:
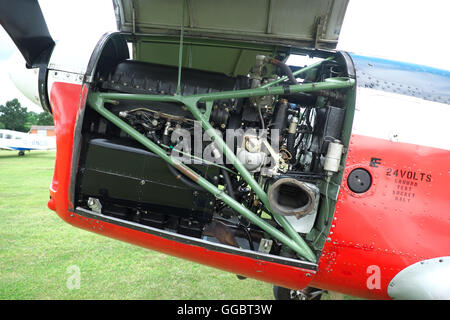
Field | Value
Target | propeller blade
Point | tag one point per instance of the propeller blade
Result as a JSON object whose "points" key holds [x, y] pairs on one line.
{"points": [[24, 22]]}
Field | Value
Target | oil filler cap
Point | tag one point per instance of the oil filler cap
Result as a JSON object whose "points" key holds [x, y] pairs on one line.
{"points": [[359, 180]]}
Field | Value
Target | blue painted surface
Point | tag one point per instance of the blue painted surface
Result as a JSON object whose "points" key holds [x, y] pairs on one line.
{"points": [[19, 149], [404, 78]]}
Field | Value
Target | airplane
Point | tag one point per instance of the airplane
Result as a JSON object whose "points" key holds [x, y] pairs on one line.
{"points": [[21, 141], [205, 145]]}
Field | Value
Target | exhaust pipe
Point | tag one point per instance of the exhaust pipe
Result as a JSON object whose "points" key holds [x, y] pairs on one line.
{"points": [[290, 197]]}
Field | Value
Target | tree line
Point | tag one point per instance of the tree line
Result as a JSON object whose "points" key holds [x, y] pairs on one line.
{"points": [[15, 117]]}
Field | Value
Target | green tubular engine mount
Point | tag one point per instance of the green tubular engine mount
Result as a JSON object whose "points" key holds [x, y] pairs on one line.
{"points": [[291, 239]]}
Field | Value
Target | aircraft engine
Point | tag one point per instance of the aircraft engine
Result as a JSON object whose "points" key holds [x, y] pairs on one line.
{"points": [[282, 141]]}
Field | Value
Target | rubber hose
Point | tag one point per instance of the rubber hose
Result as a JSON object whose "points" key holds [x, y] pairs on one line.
{"points": [[291, 144], [226, 177], [285, 69]]}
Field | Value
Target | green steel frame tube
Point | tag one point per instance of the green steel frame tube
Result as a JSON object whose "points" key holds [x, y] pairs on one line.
{"points": [[230, 156], [328, 84], [97, 102], [180, 49], [294, 241]]}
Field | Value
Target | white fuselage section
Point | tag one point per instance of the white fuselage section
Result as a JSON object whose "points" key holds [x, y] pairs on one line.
{"points": [[15, 140]]}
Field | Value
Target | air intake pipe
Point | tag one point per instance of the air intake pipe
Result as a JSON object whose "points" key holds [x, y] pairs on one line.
{"points": [[290, 197]]}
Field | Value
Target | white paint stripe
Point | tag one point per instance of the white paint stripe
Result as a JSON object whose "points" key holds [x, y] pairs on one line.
{"points": [[62, 76], [401, 118]]}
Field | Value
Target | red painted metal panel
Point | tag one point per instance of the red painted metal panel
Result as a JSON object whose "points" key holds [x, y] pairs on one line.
{"points": [[402, 219]]}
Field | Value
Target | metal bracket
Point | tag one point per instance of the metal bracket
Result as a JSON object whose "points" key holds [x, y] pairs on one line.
{"points": [[265, 245], [317, 31], [95, 205]]}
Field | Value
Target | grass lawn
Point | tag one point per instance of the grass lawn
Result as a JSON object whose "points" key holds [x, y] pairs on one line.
{"points": [[38, 251]]}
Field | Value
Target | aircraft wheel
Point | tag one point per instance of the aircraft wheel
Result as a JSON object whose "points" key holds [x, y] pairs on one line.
{"points": [[308, 293], [21, 153]]}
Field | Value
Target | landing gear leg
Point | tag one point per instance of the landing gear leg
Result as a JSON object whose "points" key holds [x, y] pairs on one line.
{"points": [[309, 293]]}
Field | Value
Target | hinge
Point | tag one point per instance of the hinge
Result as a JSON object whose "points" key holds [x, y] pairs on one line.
{"points": [[317, 31], [133, 17]]}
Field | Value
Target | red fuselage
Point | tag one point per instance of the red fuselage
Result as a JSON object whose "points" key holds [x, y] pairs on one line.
{"points": [[401, 220]]}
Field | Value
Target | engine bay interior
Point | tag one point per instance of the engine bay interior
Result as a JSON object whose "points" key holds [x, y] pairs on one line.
{"points": [[291, 145]]}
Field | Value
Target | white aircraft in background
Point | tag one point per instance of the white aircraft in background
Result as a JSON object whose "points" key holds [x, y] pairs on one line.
{"points": [[21, 141]]}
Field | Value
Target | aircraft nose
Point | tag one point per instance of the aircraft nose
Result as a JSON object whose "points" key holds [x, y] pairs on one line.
{"points": [[25, 80]]}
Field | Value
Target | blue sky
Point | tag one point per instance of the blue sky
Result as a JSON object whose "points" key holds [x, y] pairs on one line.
{"points": [[406, 30], [5, 50]]}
